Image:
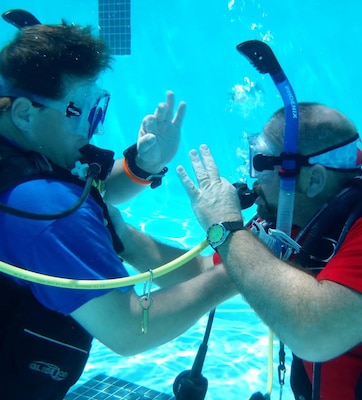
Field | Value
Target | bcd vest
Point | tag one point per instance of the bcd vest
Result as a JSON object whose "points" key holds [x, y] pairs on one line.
{"points": [[320, 241], [42, 352]]}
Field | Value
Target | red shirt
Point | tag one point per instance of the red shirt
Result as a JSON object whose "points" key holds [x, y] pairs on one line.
{"points": [[339, 376], [345, 267]]}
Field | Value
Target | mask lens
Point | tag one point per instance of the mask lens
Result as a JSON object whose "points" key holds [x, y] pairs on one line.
{"points": [[97, 114]]}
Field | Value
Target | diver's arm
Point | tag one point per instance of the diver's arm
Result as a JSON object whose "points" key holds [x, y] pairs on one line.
{"points": [[155, 254], [157, 143], [119, 188], [116, 319], [316, 320], [143, 253]]}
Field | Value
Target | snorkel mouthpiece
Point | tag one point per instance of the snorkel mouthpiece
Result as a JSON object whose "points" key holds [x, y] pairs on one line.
{"points": [[261, 56], [246, 196]]}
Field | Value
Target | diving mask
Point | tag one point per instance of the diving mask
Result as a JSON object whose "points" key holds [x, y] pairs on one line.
{"points": [[344, 156], [85, 109]]}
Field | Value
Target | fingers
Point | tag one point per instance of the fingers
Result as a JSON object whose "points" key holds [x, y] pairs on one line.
{"points": [[161, 113], [165, 110], [189, 186], [205, 170], [201, 173], [209, 163], [180, 114], [170, 103]]}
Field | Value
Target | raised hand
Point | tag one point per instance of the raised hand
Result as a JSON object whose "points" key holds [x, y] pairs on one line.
{"points": [[159, 135], [215, 199]]}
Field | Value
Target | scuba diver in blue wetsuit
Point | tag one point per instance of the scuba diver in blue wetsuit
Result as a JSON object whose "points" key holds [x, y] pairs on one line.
{"points": [[54, 221]]}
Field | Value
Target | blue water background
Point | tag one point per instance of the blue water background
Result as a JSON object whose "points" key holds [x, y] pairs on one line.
{"points": [[189, 46]]}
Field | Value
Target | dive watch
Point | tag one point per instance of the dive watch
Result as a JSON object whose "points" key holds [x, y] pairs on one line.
{"points": [[218, 232]]}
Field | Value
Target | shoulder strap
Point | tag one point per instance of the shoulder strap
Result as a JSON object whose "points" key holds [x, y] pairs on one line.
{"points": [[17, 166], [324, 235]]}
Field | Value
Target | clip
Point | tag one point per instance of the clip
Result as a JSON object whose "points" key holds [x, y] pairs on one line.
{"points": [[147, 286]]}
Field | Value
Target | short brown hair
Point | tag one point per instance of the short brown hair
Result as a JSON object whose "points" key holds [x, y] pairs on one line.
{"points": [[40, 55]]}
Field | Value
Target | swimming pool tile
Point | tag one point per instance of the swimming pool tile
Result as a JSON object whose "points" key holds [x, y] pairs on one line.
{"points": [[115, 25], [103, 387]]}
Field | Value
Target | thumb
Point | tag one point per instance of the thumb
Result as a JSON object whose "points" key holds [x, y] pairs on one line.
{"points": [[145, 142], [149, 124]]}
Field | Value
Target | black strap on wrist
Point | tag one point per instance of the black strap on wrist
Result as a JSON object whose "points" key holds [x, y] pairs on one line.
{"points": [[130, 155]]}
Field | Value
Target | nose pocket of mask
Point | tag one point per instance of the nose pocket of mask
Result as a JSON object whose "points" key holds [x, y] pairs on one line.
{"points": [[97, 115]]}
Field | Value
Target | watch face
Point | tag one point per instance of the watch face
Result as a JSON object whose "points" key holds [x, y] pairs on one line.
{"points": [[216, 235]]}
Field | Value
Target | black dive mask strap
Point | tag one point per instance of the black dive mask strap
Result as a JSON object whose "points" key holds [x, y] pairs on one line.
{"points": [[262, 163]]}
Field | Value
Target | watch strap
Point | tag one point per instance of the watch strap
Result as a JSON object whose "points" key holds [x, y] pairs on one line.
{"points": [[234, 226], [155, 179]]}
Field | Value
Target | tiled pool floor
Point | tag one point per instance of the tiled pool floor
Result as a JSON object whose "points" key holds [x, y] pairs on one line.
{"points": [[104, 387]]}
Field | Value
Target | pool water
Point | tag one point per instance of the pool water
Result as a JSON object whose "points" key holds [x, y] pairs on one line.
{"points": [[235, 365], [236, 361], [189, 46]]}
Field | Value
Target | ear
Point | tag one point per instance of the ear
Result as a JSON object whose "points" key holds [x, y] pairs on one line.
{"points": [[22, 112], [317, 180]]}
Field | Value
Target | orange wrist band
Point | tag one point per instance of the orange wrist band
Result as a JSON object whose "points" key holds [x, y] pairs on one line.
{"points": [[131, 176]]}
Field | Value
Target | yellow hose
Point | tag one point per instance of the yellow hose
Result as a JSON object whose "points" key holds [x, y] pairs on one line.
{"points": [[89, 284], [121, 282], [269, 386]]}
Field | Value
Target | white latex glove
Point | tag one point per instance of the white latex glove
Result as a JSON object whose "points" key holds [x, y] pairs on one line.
{"points": [[215, 200], [159, 135]]}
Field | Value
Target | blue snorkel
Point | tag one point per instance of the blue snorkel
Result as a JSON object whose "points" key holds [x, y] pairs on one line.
{"points": [[262, 57]]}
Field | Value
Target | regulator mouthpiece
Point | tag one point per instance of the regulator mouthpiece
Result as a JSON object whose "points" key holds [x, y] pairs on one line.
{"points": [[96, 155], [247, 196]]}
